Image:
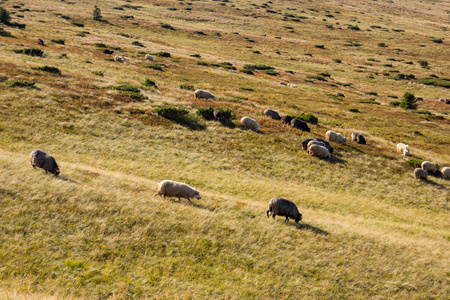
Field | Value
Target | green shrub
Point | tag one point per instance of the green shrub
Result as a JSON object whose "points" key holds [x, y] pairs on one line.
{"points": [[21, 83], [271, 72], [371, 93], [48, 69], [162, 54], [5, 16], [98, 73], [369, 101], [261, 67], [30, 51], [148, 82], [353, 110], [100, 45], [307, 117], [187, 87], [196, 55], [414, 162], [337, 60], [180, 116], [352, 44], [317, 77], [136, 43], [438, 41], [5, 33], [325, 74], [157, 66], [167, 26], [423, 63], [422, 112], [59, 41], [320, 46], [442, 82], [353, 27], [207, 113], [97, 14], [393, 96], [394, 103], [77, 24], [247, 71], [408, 101], [126, 88], [383, 45]]}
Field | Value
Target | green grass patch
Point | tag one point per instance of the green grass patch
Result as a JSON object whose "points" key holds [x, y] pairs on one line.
{"points": [[369, 101], [149, 83], [21, 83], [180, 116], [48, 69], [59, 41], [137, 43], [442, 82], [30, 51], [307, 117], [414, 162]]}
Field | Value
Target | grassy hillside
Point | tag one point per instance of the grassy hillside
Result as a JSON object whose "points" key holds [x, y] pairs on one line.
{"points": [[369, 229]]}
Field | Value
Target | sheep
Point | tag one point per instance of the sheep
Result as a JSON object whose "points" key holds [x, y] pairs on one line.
{"points": [[217, 115], [148, 57], [327, 144], [315, 142], [41, 42], [287, 120], [202, 94], [319, 151], [403, 148], [170, 188], [292, 85], [285, 208], [39, 158], [359, 138], [299, 124], [250, 123], [272, 114], [106, 51], [119, 59], [428, 166], [340, 95], [420, 173], [335, 137], [445, 173], [305, 142], [446, 101]]}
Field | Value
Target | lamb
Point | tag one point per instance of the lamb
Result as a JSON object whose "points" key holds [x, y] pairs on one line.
{"points": [[299, 124], [202, 94], [170, 188], [106, 51], [420, 173], [217, 115], [403, 148], [429, 166], [445, 173], [272, 114], [250, 123], [285, 208], [148, 57], [287, 120], [119, 59], [335, 137], [359, 138], [39, 158], [319, 151]]}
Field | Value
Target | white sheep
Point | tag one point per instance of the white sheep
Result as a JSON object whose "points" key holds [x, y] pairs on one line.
{"points": [[170, 188], [202, 94], [403, 148], [445, 173], [319, 151], [420, 173], [119, 58], [335, 137], [315, 142], [429, 166], [148, 57], [249, 123]]}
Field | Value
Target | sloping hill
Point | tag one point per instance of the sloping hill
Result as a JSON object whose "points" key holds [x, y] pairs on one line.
{"points": [[369, 229]]}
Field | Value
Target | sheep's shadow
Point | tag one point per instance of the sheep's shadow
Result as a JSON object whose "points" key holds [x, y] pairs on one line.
{"points": [[192, 203], [335, 159], [438, 185], [66, 179], [306, 226]]}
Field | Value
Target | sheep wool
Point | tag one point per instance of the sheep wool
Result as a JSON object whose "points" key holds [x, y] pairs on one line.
{"points": [[403, 148], [285, 208], [249, 123], [119, 59], [272, 114], [170, 188], [40, 159], [445, 173], [420, 173], [319, 151], [429, 167], [335, 137], [202, 94]]}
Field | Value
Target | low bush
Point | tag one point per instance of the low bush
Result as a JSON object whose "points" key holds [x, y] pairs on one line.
{"points": [[126, 88], [423, 63], [307, 117], [369, 101], [167, 26], [157, 66], [442, 82], [180, 116], [162, 54], [21, 83], [337, 60], [149, 83], [30, 51], [394, 103], [5, 33], [187, 87], [77, 24], [136, 43], [317, 77], [59, 41], [438, 41], [271, 72], [414, 162], [98, 73], [48, 69], [353, 27], [355, 110]]}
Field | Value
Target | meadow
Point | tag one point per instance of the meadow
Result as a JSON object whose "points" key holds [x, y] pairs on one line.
{"points": [[369, 229]]}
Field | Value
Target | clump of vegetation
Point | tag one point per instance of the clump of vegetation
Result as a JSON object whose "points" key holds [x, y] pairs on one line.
{"points": [[394, 103], [371, 93], [307, 117], [21, 83], [207, 113], [97, 14], [167, 26], [98, 73], [442, 82], [137, 43], [196, 55], [423, 64], [5, 16], [162, 54], [126, 88], [438, 41], [149, 83], [48, 69], [317, 77], [401, 76], [383, 45], [30, 51], [78, 24], [355, 110], [353, 27], [408, 101], [369, 101], [129, 93], [352, 44], [59, 41], [5, 33], [187, 87], [320, 46], [271, 72], [337, 60], [180, 116], [414, 162], [157, 66]]}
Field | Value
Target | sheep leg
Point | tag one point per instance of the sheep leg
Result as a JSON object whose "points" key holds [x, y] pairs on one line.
{"points": [[179, 199], [273, 216], [287, 220], [268, 213], [189, 200]]}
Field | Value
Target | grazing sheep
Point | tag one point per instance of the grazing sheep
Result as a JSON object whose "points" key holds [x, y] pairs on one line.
{"points": [[287, 120], [335, 137], [340, 95], [217, 115], [106, 51], [315, 142], [445, 173], [39, 158], [403, 148], [41, 42], [420, 173], [272, 114], [292, 85], [429, 166], [299, 124], [327, 144], [319, 151], [119, 59], [305, 142], [285, 208], [202, 94], [359, 138], [148, 57], [170, 188], [250, 123], [446, 101]]}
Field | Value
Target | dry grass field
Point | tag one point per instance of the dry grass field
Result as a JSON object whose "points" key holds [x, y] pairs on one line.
{"points": [[370, 230]]}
